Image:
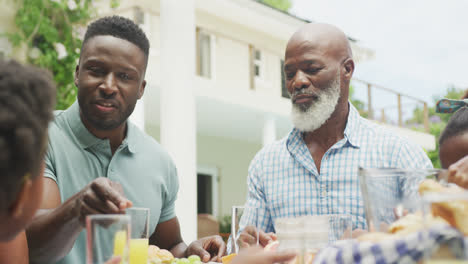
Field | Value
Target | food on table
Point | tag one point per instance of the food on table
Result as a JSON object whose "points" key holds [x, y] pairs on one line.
{"points": [[454, 212], [411, 223], [227, 259], [159, 256]]}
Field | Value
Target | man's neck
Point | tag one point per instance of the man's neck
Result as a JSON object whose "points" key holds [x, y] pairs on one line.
{"points": [[331, 131], [115, 136]]}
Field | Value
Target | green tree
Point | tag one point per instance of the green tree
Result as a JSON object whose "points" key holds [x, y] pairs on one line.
{"points": [[360, 105], [436, 128], [283, 5], [51, 30]]}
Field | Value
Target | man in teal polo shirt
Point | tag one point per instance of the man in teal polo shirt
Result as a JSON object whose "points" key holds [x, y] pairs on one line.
{"points": [[100, 163]]}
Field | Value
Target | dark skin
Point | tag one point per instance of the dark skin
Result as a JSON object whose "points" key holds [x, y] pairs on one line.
{"points": [[453, 156], [314, 55], [110, 79]]}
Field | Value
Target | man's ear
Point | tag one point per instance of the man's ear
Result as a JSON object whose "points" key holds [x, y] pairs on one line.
{"points": [[141, 90], [77, 68], [16, 209], [348, 66]]}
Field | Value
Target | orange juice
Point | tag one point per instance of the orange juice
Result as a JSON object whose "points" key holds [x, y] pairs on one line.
{"points": [[119, 243], [138, 251]]}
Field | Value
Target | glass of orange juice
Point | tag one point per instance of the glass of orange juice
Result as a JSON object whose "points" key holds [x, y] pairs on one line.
{"points": [[139, 234], [107, 236]]}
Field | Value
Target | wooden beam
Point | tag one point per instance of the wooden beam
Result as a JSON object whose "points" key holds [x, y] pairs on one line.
{"points": [[426, 118]]}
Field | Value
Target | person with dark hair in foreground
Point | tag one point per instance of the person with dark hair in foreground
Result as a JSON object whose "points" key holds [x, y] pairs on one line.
{"points": [[98, 162], [453, 148], [27, 99]]}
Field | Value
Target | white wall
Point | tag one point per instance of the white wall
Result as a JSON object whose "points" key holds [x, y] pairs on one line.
{"points": [[231, 158]]}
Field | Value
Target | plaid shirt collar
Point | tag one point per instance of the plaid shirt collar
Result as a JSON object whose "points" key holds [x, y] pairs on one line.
{"points": [[297, 148]]}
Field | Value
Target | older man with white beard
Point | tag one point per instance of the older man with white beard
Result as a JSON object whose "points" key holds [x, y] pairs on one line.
{"points": [[314, 169]]}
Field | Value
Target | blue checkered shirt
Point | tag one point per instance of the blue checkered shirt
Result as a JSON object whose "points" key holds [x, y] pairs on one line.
{"points": [[283, 180]]}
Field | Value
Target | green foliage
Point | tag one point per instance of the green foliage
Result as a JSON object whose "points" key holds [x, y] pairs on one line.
{"points": [[225, 224], [435, 128], [283, 5], [360, 105], [50, 30]]}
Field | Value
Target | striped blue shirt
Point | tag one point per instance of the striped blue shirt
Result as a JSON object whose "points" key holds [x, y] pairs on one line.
{"points": [[283, 180]]}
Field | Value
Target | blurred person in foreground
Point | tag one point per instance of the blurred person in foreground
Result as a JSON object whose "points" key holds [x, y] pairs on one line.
{"points": [[27, 100], [98, 162], [314, 169]]}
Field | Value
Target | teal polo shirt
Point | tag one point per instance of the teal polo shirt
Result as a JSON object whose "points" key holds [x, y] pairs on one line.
{"points": [[75, 157]]}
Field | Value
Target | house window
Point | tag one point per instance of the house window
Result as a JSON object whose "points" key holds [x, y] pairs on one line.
{"points": [[207, 191], [258, 64], [284, 89], [205, 56]]}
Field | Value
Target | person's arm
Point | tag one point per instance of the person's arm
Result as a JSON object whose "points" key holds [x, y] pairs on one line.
{"points": [[54, 230], [15, 251], [167, 236]]}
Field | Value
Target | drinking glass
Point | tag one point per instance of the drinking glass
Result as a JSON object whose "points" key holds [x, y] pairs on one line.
{"points": [[243, 218], [390, 194], [107, 236], [139, 234]]}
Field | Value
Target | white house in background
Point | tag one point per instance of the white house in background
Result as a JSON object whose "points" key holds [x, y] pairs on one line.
{"points": [[215, 92]]}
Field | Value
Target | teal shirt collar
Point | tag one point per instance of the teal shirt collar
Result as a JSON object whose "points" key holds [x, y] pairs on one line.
{"points": [[86, 139]]}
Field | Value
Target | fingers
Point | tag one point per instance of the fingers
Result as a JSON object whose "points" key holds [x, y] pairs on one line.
{"points": [[246, 239], [265, 238], [196, 248], [110, 191], [221, 248]]}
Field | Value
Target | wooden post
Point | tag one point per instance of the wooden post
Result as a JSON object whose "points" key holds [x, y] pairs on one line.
{"points": [[426, 118], [382, 118], [369, 101], [400, 113]]}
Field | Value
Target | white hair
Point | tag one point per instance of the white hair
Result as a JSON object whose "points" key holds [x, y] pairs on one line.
{"points": [[319, 111]]}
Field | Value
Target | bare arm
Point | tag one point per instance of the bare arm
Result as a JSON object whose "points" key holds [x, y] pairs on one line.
{"points": [[167, 236], [15, 251], [55, 228]]}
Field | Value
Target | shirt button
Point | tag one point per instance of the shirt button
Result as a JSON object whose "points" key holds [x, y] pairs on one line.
{"points": [[324, 193]]}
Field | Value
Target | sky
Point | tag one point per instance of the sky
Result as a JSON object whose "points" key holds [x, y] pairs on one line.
{"points": [[420, 46]]}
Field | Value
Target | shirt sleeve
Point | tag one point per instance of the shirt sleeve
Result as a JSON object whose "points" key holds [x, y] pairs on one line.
{"points": [[49, 171], [260, 216], [172, 188], [413, 156]]}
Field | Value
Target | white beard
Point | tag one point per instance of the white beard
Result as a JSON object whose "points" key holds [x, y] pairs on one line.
{"points": [[308, 120]]}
